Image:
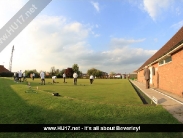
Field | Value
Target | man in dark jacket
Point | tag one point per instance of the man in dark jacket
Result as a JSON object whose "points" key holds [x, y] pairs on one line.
{"points": [[147, 76]]}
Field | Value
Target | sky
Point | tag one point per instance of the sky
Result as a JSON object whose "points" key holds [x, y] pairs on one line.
{"points": [[109, 35]]}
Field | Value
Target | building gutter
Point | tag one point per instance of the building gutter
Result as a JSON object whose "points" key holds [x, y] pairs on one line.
{"points": [[166, 55]]}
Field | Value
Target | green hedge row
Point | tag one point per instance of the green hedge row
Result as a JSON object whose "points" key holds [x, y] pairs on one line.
{"points": [[6, 74]]}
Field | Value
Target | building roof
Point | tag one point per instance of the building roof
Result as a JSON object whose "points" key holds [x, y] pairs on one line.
{"points": [[3, 69], [174, 42]]}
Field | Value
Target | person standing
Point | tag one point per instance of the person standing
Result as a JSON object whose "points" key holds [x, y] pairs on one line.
{"points": [[14, 76], [23, 76], [42, 75], [20, 75], [17, 76], [147, 76], [91, 79], [75, 76], [64, 76], [33, 76]]}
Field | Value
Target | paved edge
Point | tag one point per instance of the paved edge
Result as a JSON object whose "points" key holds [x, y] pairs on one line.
{"points": [[158, 92], [168, 96]]}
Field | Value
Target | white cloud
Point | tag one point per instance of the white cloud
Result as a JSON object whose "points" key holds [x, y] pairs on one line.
{"points": [[40, 45], [156, 7], [177, 25], [96, 6], [121, 42], [9, 8], [54, 41], [119, 59]]}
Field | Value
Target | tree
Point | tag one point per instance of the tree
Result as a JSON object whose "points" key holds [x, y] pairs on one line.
{"points": [[62, 72], [92, 71], [99, 73], [52, 71], [80, 74], [75, 68], [57, 72], [28, 72], [69, 72], [112, 74]]}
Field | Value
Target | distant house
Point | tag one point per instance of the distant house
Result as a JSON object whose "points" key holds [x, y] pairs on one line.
{"points": [[166, 66], [132, 75], [118, 75], [85, 75], [3, 69]]}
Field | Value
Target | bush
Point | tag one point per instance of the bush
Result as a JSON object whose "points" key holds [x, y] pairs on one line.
{"points": [[6, 74]]}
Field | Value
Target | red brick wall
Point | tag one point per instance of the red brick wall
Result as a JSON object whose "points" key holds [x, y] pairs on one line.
{"points": [[170, 75], [140, 76]]}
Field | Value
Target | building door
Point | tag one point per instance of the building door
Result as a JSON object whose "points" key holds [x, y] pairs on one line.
{"points": [[151, 74]]}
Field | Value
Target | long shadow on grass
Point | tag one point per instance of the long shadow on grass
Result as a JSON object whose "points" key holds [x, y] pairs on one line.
{"points": [[17, 109]]}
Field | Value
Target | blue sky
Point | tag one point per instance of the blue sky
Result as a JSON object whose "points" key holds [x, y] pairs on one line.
{"points": [[110, 35]]}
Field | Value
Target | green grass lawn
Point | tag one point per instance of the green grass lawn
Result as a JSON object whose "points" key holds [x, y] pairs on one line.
{"points": [[104, 102]]}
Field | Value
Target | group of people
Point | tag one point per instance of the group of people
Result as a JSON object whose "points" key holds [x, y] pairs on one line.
{"points": [[42, 75], [18, 76], [75, 76]]}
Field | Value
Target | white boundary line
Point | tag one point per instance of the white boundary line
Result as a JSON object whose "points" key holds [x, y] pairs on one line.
{"points": [[168, 96]]}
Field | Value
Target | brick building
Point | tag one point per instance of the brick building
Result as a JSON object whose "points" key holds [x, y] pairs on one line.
{"points": [[166, 66]]}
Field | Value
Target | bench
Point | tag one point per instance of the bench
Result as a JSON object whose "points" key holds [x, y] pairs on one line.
{"points": [[155, 100]]}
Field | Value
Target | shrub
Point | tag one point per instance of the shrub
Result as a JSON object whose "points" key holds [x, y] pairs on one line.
{"points": [[6, 74]]}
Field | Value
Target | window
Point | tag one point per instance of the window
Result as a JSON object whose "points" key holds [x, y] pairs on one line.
{"points": [[166, 60], [161, 62]]}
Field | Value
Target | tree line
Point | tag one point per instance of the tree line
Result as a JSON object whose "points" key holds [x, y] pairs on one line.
{"points": [[69, 72]]}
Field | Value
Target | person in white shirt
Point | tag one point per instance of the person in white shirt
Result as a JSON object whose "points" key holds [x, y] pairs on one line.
{"points": [[42, 75], [20, 75], [75, 76], [53, 78], [64, 76], [91, 79]]}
